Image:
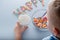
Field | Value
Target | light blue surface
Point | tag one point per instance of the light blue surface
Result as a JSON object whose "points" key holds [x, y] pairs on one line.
{"points": [[8, 20]]}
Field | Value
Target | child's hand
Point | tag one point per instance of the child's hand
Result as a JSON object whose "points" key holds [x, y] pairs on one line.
{"points": [[19, 30]]}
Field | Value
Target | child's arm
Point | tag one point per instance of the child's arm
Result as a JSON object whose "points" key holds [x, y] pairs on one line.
{"points": [[19, 30]]}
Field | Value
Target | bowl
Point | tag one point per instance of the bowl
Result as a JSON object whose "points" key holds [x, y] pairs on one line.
{"points": [[40, 19]]}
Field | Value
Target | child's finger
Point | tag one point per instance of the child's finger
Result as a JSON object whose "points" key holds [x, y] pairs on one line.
{"points": [[15, 27], [25, 27], [18, 24]]}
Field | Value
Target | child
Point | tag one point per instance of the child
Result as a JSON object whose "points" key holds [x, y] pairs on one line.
{"points": [[53, 15]]}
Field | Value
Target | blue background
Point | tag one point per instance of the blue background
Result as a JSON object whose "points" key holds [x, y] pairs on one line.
{"points": [[8, 20]]}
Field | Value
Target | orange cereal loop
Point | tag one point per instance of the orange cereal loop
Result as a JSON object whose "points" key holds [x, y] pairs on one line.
{"points": [[38, 25], [44, 26], [40, 21], [35, 20]]}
